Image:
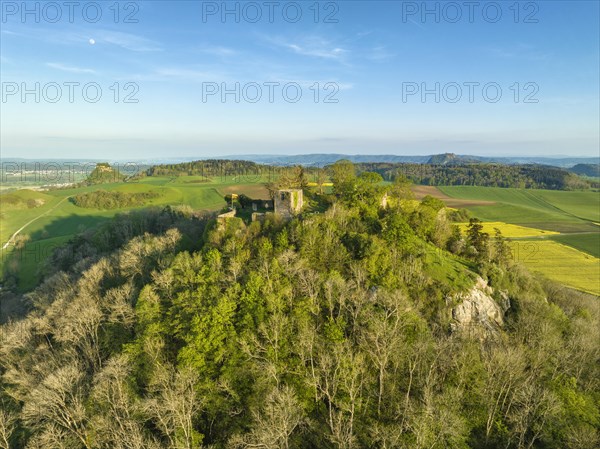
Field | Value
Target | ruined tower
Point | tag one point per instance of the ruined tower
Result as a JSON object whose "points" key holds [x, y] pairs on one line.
{"points": [[288, 202]]}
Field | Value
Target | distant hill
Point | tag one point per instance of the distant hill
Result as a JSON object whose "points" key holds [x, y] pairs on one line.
{"points": [[207, 168], [452, 159], [316, 159], [441, 159], [320, 160], [446, 169], [564, 162], [451, 171], [457, 159], [591, 170], [104, 173]]}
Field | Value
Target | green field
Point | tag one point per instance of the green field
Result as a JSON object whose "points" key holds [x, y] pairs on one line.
{"points": [[552, 210], [55, 219], [567, 252], [589, 243]]}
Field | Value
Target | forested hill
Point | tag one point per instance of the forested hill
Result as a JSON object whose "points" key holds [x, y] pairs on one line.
{"points": [[208, 168], [356, 327], [591, 170], [481, 174], [442, 170], [451, 159], [104, 173], [320, 160]]}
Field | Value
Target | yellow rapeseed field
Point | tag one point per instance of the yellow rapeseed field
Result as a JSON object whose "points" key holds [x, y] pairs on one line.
{"points": [[325, 184], [509, 230], [560, 263], [554, 260]]}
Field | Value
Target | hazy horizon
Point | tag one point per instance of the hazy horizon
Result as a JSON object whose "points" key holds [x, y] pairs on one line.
{"points": [[249, 156]]}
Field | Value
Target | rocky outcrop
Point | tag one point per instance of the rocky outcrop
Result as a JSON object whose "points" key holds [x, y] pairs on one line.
{"points": [[478, 313]]}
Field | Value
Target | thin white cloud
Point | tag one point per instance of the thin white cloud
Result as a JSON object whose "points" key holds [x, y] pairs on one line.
{"points": [[217, 51], [380, 54], [314, 46], [324, 85], [80, 37], [318, 51], [68, 68], [181, 74], [518, 51], [127, 41], [416, 24]]}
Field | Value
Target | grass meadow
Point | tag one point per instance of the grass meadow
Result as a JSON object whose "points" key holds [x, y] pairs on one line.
{"points": [[552, 210], [55, 218]]}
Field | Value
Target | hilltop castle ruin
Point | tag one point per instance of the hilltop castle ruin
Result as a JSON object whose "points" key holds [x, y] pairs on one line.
{"points": [[288, 202]]}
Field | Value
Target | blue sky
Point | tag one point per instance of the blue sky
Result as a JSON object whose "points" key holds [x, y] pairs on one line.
{"points": [[372, 54]]}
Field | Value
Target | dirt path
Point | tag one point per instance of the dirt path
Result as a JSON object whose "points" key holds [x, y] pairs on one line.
{"points": [[31, 221]]}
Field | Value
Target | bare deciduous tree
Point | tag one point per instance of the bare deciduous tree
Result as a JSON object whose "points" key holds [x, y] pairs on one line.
{"points": [[118, 422], [174, 405], [56, 406], [80, 328], [504, 367], [8, 422], [381, 336], [265, 349], [340, 379], [275, 423]]}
